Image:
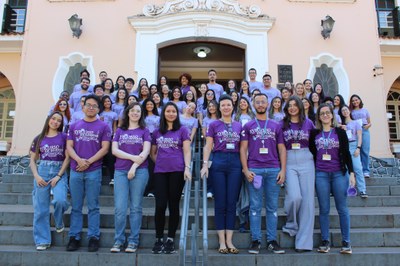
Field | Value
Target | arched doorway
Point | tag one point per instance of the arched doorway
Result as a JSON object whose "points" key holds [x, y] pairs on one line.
{"points": [[7, 112], [227, 60], [393, 110]]}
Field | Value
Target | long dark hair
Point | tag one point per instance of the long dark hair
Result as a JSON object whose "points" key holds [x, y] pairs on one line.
{"points": [[117, 97], [112, 85], [103, 99], [45, 130], [125, 119], [206, 102], [310, 114], [351, 104], [176, 88], [155, 110], [248, 89], [299, 104], [341, 114], [318, 124], [176, 125]]}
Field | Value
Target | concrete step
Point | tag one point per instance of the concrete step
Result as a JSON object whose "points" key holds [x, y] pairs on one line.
{"points": [[361, 217], [27, 255], [108, 201], [360, 237]]}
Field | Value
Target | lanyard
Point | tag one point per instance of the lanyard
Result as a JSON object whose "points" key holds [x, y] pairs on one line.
{"points": [[326, 140], [228, 128], [263, 131]]}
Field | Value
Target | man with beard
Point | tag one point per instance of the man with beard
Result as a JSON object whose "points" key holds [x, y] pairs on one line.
{"points": [[76, 96], [84, 74], [88, 141], [213, 85], [263, 158]]}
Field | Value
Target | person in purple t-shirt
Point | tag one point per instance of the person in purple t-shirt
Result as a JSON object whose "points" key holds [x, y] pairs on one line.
{"points": [[253, 83], [170, 143], [263, 157], [131, 146], [76, 96], [88, 142], [185, 80], [300, 175], [177, 99], [271, 92], [330, 147], [213, 85], [188, 120], [223, 137], [50, 147]]}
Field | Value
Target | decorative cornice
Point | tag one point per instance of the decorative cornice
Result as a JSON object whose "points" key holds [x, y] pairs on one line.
{"points": [[325, 1], [177, 6]]}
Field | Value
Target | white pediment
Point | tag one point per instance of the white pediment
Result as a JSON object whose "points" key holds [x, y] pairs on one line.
{"points": [[178, 6]]}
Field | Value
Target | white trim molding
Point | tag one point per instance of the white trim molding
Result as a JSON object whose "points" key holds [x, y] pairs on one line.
{"points": [[336, 64], [64, 63], [199, 20]]}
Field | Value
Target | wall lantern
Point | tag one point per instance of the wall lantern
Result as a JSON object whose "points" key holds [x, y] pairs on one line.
{"points": [[202, 51], [75, 23], [327, 26]]}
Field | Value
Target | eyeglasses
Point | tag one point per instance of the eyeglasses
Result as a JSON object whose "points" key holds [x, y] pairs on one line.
{"points": [[260, 102], [210, 94], [90, 106], [62, 104], [327, 113]]}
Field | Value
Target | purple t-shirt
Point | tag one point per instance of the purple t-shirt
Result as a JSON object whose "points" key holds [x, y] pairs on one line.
{"points": [[207, 121], [327, 143], [278, 116], [351, 130], [217, 88], [118, 109], [51, 148], [226, 137], [244, 119], [200, 102], [362, 114], [181, 105], [131, 141], [109, 118], [257, 134], [152, 122], [78, 87], [87, 137], [74, 100], [294, 134], [255, 85], [185, 89], [170, 150], [189, 123], [271, 93]]}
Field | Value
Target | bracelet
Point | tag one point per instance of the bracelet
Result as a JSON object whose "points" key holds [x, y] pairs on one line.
{"points": [[205, 162], [58, 175], [188, 167], [359, 147]]}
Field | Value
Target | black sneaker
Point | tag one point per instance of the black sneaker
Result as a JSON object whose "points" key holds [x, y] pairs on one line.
{"points": [[93, 244], [363, 195], [255, 247], [274, 247], [324, 247], [346, 248], [73, 244], [169, 247], [158, 246]]}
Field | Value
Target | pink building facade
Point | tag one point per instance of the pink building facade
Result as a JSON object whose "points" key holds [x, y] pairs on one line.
{"points": [[150, 38]]}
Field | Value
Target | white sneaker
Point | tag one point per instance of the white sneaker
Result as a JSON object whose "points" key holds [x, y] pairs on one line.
{"points": [[209, 195], [42, 247]]}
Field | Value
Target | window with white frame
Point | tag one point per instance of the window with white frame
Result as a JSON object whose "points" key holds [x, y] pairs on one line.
{"points": [[393, 107]]}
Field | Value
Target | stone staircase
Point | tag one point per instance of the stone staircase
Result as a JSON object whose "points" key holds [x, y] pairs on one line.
{"points": [[375, 232]]}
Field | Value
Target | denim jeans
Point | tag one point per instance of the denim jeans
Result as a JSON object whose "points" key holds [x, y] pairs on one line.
{"points": [[226, 172], [364, 152], [357, 167], [270, 189], [129, 191], [85, 184], [337, 183], [41, 202]]}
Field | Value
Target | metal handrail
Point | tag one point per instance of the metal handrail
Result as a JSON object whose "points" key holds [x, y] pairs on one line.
{"points": [[205, 223], [185, 214]]}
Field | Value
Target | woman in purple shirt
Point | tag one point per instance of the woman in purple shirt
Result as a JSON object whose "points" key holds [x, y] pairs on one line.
{"points": [[131, 146], [50, 147], [223, 138], [330, 148], [300, 175], [360, 113], [177, 99], [171, 143]]}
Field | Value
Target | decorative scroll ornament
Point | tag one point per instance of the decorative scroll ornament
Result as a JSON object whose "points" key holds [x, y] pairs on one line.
{"points": [[228, 6]]}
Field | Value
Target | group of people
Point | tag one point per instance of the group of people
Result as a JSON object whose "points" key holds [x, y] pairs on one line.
{"points": [[257, 139]]}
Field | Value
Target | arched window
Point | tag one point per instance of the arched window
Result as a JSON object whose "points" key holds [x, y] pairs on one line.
{"points": [[393, 107], [327, 78], [7, 108]]}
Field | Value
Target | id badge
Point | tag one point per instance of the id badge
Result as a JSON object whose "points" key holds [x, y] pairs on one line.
{"points": [[295, 146], [230, 146], [349, 134], [326, 157], [263, 150]]}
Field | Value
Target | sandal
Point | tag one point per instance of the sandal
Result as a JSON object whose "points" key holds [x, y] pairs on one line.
{"points": [[233, 250], [223, 251]]}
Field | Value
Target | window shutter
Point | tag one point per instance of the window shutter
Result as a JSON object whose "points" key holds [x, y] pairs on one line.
{"points": [[7, 22]]}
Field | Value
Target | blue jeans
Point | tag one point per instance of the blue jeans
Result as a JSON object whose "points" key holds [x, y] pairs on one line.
{"points": [[357, 167], [337, 183], [85, 184], [226, 172], [129, 191], [364, 153], [271, 191], [41, 202]]}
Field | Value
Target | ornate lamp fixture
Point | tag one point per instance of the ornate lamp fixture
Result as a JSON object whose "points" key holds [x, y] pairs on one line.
{"points": [[75, 24], [327, 26]]}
